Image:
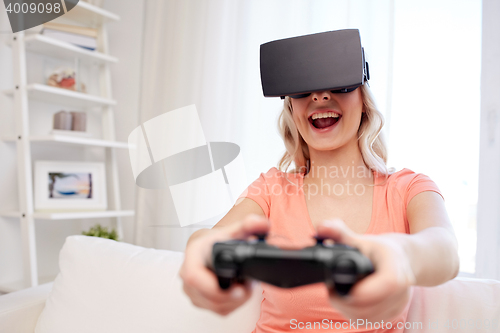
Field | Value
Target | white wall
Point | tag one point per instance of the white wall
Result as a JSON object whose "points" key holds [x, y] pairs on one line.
{"points": [[207, 53], [488, 217], [125, 39], [125, 42]]}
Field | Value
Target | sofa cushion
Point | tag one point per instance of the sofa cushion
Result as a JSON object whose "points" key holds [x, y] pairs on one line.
{"points": [[107, 286]]}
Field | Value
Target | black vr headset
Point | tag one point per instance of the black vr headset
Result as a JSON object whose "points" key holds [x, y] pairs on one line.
{"points": [[297, 66]]}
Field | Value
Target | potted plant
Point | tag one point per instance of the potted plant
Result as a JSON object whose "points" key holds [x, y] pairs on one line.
{"points": [[100, 231]]}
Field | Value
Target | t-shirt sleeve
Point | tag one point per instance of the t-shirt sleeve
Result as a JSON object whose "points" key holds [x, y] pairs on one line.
{"points": [[258, 191], [417, 183]]}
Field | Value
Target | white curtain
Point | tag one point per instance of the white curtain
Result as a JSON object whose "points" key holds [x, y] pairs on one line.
{"points": [[207, 53]]}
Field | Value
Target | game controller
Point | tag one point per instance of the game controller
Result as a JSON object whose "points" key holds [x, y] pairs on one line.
{"points": [[339, 266]]}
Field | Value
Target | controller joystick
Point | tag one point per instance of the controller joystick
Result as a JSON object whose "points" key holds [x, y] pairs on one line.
{"points": [[340, 266], [261, 237], [319, 240]]}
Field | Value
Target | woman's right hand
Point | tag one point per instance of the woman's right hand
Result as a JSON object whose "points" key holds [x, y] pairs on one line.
{"points": [[200, 283]]}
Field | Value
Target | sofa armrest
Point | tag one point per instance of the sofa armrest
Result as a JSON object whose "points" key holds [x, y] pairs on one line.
{"points": [[19, 310], [459, 305]]}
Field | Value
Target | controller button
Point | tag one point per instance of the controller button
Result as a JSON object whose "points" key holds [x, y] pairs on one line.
{"points": [[345, 266], [261, 237], [343, 289], [224, 283], [319, 240], [225, 256], [345, 271]]}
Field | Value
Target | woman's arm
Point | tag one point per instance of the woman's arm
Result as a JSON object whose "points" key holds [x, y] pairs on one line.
{"points": [[199, 282], [432, 247], [428, 256]]}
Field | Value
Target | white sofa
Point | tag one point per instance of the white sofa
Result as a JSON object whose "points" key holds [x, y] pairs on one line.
{"points": [[106, 286]]}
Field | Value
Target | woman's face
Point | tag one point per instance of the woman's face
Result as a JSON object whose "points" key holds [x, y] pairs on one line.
{"points": [[343, 111]]}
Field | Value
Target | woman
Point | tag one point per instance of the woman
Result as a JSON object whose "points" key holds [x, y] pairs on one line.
{"points": [[343, 192]]}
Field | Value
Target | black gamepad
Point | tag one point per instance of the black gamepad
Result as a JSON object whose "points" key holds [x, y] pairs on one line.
{"points": [[339, 266]]}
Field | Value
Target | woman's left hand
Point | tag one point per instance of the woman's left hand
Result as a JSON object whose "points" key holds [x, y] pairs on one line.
{"points": [[382, 295]]}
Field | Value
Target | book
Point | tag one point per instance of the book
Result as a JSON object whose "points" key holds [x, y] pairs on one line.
{"points": [[74, 29], [86, 42]]}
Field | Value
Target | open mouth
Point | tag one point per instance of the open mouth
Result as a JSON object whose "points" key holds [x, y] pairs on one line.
{"points": [[324, 120]]}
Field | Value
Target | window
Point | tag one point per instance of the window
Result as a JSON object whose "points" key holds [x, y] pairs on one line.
{"points": [[433, 122]]}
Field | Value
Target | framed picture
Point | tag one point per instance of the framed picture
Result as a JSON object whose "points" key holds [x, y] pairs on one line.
{"points": [[70, 186]]}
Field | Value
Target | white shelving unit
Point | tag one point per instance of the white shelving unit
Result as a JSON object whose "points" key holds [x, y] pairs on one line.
{"points": [[45, 45], [74, 215], [89, 15], [48, 94], [73, 140], [22, 93]]}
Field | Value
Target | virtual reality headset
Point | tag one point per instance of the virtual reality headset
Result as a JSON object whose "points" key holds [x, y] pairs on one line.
{"points": [[297, 66]]}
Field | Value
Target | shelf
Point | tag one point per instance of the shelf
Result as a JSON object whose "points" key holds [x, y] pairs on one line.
{"points": [[54, 95], [66, 139], [73, 140], [85, 15], [82, 215], [10, 214], [88, 15], [13, 286], [73, 215], [55, 48]]}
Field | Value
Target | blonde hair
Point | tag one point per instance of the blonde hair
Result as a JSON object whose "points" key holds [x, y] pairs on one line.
{"points": [[371, 141]]}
